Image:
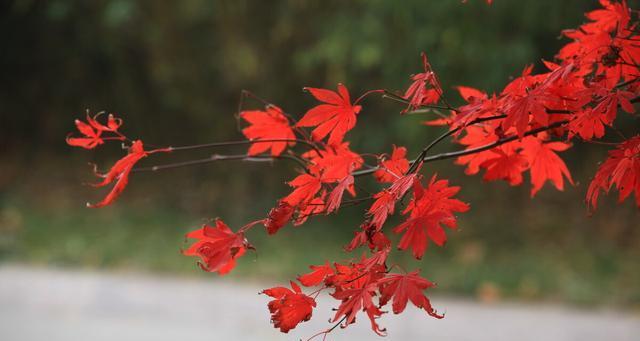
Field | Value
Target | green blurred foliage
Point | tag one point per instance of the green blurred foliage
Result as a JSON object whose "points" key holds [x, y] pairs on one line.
{"points": [[174, 71]]}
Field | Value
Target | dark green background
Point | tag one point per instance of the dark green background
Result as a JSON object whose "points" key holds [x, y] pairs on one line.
{"points": [[174, 71]]}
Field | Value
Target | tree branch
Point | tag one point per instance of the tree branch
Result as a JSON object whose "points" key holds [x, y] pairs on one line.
{"points": [[218, 157], [244, 142], [424, 159]]}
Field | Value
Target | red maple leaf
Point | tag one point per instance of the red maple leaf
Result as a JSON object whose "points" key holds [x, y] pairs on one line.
{"points": [[477, 136], [313, 207], [430, 208], [518, 111], [278, 217], [306, 186], [335, 197], [470, 94], [613, 15], [113, 123], [405, 287], [120, 172], [92, 131], [334, 118], [425, 88], [507, 164], [218, 247], [622, 169], [369, 235], [355, 300], [318, 274], [479, 105], [289, 307], [385, 200], [587, 124], [270, 124], [393, 168], [544, 163], [334, 162]]}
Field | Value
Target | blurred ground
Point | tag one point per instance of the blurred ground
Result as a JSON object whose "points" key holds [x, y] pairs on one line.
{"points": [[62, 305]]}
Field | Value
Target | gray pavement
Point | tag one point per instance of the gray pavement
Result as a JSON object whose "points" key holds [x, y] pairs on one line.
{"points": [[51, 305]]}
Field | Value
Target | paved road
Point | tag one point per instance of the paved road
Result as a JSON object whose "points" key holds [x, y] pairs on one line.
{"points": [[52, 305]]}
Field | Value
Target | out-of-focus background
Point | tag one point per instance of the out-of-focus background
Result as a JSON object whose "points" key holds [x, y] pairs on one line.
{"points": [[174, 72]]}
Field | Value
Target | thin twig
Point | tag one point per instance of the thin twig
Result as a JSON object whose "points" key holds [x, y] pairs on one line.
{"points": [[218, 157]]}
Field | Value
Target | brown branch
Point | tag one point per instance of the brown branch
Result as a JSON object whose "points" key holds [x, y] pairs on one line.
{"points": [[450, 155], [218, 157], [244, 142]]}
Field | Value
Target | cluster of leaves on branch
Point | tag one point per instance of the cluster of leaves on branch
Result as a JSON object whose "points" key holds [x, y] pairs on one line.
{"points": [[593, 79]]}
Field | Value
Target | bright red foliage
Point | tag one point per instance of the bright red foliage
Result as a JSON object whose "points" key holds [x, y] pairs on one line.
{"points": [[523, 128], [335, 197], [218, 247], [621, 169], [334, 163], [430, 208], [545, 164], [120, 172], [425, 88], [393, 168], [92, 131], [289, 307], [306, 186], [334, 118], [278, 217], [317, 276], [270, 124], [405, 287]]}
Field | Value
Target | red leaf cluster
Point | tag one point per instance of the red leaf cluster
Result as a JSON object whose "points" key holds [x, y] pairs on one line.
{"points": [[289, 307], [622, 170], [334, 118], [218, 247], [270, 125], [519, 130], [93, 130]]}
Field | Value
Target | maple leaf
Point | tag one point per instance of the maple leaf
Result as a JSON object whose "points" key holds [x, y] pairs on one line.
{"points": [[393, 168], [334, 163], [91, 137], [544, 163], [218, 247], [334, 118], [470, 94], [479, 105], [313, 207], [405, 287], [355, 300], [508, 165], [289, 307], [92, 131], [622, 169], [430, 208], [425, 88], [385, 200], [120, 172], [476, 136], [608, 105], [587, 124], [306, 186], [318, 274], [113, 123], [270, 124], [335, 197], [278, 217], [371, 236], [519, 109], [613, 15]]}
